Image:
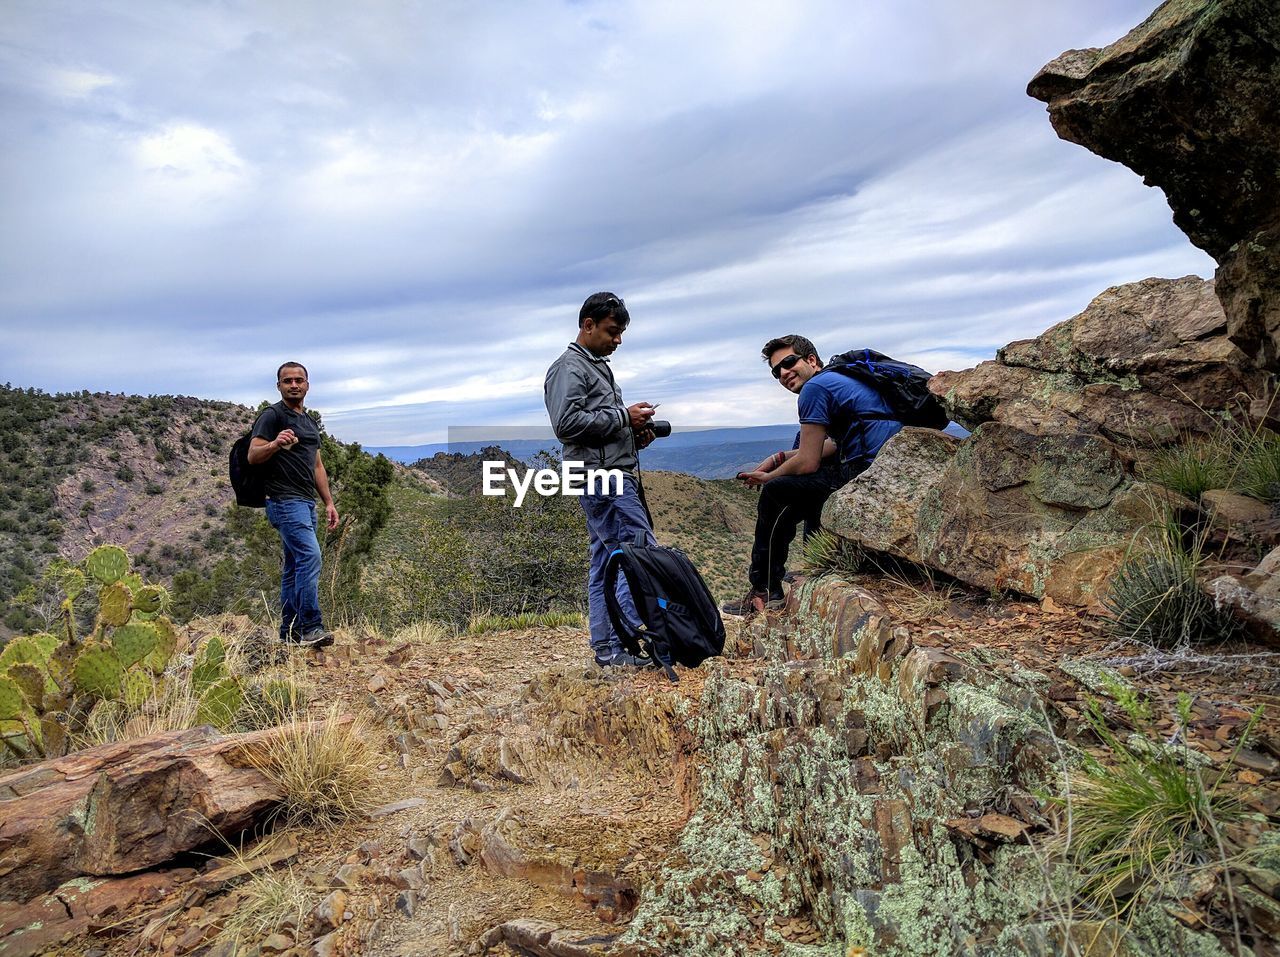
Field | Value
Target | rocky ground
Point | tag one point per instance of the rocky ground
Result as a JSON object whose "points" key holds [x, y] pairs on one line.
{"points": [[531, 804]]}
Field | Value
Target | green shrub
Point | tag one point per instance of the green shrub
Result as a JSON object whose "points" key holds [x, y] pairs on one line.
{"points": [[824, 551], [1155, 597], [1192, 467], [1151, 819], [1260, 468]]}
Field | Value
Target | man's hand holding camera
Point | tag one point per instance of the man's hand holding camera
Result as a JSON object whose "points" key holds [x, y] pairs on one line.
{"points": [[645, 426]]}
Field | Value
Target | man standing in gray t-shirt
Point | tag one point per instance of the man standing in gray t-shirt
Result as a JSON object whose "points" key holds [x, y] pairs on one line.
{"points": [[287, 442]]}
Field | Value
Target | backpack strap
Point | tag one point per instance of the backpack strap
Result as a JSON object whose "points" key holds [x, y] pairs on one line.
{"points": [[619, 621], [642, 641]]}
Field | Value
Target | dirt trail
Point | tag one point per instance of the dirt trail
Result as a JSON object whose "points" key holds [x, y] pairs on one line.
{"points": [[548, 811]]}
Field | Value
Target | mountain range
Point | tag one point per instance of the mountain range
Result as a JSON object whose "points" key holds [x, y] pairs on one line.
{"points": [[703, 453]]}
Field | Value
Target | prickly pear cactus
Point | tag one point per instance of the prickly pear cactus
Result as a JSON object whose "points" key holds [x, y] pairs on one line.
{"points": [[139, 688], [73, 582], [97, 672], [133, 642], [33, 682], [12, 702], [107, 563], [115, 604], [166, 644], [58, 680], [149, 600], [220, 703], [210, 665], [32, 650]]}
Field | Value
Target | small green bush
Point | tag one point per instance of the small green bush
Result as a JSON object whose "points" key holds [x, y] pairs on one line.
{"points": [[1151, 819], [1193, 467], [1260, 468], [825, 551], [1155, 598]]}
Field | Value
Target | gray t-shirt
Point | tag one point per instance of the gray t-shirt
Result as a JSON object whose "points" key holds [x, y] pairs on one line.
{"points": [[291, 472]]}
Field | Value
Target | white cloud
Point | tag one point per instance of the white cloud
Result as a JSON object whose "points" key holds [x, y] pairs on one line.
{"points": [[414, 199]]}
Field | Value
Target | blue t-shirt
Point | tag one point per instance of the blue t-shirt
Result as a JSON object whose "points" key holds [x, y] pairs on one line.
{"points": [[856, 418]]}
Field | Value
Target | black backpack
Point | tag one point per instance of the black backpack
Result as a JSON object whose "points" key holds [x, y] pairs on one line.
{"points": [[680, 623], [248, 481], [904, 387]]}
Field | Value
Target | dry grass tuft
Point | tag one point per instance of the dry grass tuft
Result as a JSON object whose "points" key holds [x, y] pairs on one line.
{"points": [[173, 707], [326, 768], [268, 900], [481, 624], [421, 633]]}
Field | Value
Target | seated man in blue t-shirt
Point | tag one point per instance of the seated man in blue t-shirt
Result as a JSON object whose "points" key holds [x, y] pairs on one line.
{"points": [[843, 424]]}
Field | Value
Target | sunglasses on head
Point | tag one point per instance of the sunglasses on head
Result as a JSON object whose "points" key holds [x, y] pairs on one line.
{"points": [[784, 364]]}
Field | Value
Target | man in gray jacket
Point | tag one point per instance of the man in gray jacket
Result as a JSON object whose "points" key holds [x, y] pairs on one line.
{"points": [[597, 429]]}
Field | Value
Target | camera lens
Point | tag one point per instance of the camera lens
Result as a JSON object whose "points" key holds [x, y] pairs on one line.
{"points": [[661, 428]]}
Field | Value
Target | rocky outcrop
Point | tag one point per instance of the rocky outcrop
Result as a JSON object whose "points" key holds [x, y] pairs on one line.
{"points": [[1141, 365], [1044, 515], [122, 807], [1190, 100], [860, 792]]}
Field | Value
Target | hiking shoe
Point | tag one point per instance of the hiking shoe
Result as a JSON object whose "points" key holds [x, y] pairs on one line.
{"points": [[622, 659], [315, 638], [792, 577], [752, 604]]}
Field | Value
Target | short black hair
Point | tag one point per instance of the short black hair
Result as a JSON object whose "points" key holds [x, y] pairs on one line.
{"points": [[292, 365], [797, 344], [604, 305]]}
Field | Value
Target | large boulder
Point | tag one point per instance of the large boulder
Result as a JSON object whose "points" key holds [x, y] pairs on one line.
{"points": [[1190, 100], [1045, 515], [1143, 364]]}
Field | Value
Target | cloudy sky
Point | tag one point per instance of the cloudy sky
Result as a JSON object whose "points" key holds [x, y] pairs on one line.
{"points": [[413, 198]]}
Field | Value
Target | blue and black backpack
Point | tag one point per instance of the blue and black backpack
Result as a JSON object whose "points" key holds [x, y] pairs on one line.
{"points": [[679, 620], [904, 387]]}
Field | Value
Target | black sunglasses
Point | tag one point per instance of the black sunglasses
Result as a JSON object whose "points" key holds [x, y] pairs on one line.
{"points": [[783, 364]]}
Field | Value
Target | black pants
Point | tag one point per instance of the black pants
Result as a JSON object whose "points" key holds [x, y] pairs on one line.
{"points": [[784, 504]]}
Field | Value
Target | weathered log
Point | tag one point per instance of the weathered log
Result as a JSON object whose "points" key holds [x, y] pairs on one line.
{"points": [[126, 806]]}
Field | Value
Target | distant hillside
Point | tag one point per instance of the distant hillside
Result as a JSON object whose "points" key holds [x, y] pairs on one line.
{"points": [[461, 473], [711, 521], [80, 469], [146, 472]]}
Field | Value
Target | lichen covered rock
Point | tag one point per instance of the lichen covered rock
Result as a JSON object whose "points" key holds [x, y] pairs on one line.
{"points": [[1043, 515]]}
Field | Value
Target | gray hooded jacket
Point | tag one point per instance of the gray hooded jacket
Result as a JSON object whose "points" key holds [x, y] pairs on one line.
{"points": [[587, 412]]}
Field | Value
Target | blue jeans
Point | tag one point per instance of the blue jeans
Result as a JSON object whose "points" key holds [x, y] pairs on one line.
{"points": [[295, 520], [611, 520]]}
